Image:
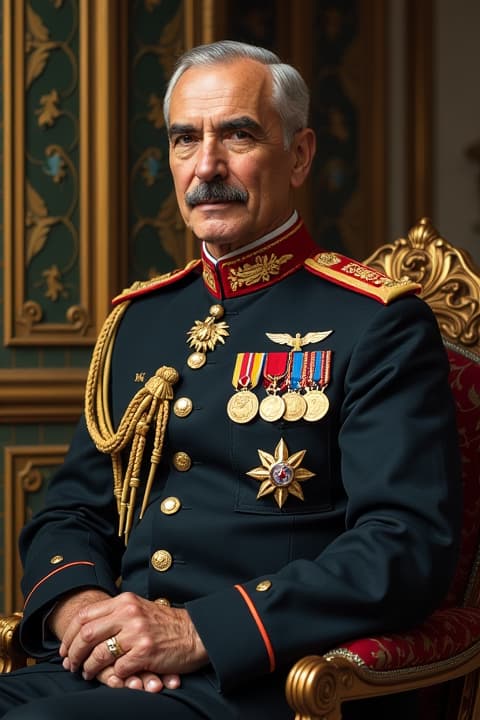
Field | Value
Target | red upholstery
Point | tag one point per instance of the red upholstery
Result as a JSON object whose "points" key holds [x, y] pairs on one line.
{"points": [[453, 628], [447, 632], [465, 383]]}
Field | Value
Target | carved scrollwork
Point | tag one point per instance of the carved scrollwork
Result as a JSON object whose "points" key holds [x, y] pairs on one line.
{"points": [[31, 478], [449, 278], [313, 688], [77, 317], [11, 656]]}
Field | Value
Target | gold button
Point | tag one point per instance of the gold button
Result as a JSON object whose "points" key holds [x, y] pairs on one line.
{"points": [[196, 360], [217, 311], [182, 461], [183, 407], [56, 559], [162, 560], [170, 505], [264, 585], [163, 601]]}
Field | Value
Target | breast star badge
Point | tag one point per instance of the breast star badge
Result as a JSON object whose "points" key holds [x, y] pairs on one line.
{"points": [[280, 473]]}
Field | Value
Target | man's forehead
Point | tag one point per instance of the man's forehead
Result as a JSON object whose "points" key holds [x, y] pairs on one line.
{"points": [[240, 83]]}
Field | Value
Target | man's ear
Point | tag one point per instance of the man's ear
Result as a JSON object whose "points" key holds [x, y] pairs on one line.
{"points": [[303, 149]]}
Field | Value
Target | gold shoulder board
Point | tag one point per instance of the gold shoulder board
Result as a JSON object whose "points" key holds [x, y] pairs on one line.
{"points": [[142, 287], [360, 278]]}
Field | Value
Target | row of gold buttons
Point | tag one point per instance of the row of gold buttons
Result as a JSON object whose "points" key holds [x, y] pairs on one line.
{"points": [[162, 560]]}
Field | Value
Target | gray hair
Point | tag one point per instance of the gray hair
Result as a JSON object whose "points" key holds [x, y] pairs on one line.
{"points": [[290, 95]]}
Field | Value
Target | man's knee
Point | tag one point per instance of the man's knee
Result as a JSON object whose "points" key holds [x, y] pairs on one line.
{"points": [[37, 710]]}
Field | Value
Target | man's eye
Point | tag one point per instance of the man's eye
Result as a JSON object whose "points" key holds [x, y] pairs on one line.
{"points": [[183, 140], [240, 135]]}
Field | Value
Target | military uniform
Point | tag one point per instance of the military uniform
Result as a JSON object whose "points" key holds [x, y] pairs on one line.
{"points": [[282, 536]]}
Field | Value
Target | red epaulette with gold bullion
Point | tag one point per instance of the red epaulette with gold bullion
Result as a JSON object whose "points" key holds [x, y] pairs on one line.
{"points": [[142, 287], [353, 275]]}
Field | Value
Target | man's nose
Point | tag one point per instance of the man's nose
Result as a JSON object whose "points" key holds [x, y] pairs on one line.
{"points": [[211, 160]]}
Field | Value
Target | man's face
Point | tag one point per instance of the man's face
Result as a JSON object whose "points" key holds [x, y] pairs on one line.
{"points": [[224, 130]]}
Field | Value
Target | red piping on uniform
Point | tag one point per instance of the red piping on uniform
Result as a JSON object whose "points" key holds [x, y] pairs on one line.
{"points": [[260, 625], [54, 572]]}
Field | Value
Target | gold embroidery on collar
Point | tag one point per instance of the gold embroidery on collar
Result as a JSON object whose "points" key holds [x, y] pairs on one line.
{"points": [[208, 277], [262, 270]]}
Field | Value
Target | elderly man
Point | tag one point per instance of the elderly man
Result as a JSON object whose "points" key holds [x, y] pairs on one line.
{"points": [[267, 463]]}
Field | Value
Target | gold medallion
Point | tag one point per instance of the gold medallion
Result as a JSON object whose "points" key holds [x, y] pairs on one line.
{"points": [[196, 360], [243, 406], [317, 405], [295, 406], [272, 408]]}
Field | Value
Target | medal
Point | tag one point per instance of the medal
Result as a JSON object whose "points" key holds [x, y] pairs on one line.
{"points": [[317, 405], [295, 405], [318, 373], [243, 405], [196, 360], [272, 407]]}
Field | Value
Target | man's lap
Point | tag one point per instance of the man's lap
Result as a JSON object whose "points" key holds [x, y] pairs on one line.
{"points": [[47, 691]]}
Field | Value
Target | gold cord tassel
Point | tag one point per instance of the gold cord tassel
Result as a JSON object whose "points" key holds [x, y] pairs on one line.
{"points": [[151, 403]]}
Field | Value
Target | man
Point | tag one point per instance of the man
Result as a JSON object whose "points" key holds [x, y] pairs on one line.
{"points": [[267, 463]]}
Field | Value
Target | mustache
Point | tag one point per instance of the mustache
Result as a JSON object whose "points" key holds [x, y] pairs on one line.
{"points": [[215, 191]]}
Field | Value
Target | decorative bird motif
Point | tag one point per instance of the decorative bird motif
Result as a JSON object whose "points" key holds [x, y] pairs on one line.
{"points": [[298, 341]]}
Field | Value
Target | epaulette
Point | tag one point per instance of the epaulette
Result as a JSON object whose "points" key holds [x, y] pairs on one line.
{"points": [[142, 287], [360, 278]]}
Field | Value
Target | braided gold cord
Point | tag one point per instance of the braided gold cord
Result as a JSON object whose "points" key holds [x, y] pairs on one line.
{"points": [[149, 403], [160, 429]]}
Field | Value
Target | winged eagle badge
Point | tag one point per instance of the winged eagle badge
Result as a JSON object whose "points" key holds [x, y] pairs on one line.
{"points": [[297, 342]]}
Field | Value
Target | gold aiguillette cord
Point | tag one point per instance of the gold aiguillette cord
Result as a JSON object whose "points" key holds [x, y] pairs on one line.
{"points": [[150, 404]]}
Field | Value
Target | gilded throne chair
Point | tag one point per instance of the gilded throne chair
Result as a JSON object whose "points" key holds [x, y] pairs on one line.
{"points": [[441, 657]]}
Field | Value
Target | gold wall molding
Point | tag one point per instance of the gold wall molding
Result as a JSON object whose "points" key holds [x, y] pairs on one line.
{"points": [[101, 244], [25, 469], [41, 395]]}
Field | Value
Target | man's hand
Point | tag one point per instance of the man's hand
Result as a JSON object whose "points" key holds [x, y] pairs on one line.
{"points": [[158, 642], [69, 606]]}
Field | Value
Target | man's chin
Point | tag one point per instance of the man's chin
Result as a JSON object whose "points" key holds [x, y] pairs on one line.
{"points": [[222, 243], [217, 230]]}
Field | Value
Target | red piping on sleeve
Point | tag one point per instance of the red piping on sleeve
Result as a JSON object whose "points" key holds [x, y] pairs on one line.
{"points": [[260, 625], [54, 572]]}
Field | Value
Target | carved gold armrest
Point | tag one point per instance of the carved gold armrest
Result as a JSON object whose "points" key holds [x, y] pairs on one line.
{"points": [[12, 656]]}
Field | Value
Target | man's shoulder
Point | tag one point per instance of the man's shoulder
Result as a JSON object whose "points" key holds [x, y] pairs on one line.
{"points": [[143, 287], [355, 276]]}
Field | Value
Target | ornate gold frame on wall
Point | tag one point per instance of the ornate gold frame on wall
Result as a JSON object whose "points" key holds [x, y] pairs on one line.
{"points": [[24, 468], [101, 153]]}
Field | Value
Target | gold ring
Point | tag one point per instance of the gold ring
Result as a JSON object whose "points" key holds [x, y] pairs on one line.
{"points": [[114, 647]]}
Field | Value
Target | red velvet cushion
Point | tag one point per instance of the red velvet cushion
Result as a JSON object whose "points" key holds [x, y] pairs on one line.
{"points": [[451, 629], [446, 633], [465, 383]]}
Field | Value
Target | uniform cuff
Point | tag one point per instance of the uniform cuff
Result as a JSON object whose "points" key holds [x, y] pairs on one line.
{"points": [[233, 634]]}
